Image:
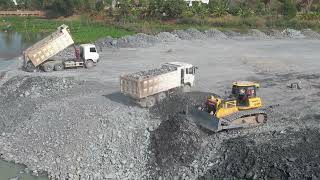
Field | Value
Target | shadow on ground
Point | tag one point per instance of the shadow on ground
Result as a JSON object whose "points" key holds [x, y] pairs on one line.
{"points": [[120, 98]]}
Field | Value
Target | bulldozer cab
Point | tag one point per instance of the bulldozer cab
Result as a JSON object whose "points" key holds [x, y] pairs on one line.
{"points": [[245, 93]]}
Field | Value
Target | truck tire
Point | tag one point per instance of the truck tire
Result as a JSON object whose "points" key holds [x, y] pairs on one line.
{"points": [[151, 101], [143, 102], [47, 67], [89, 64], [30, 67], [161, 96], [58, 67], [186, 88]]}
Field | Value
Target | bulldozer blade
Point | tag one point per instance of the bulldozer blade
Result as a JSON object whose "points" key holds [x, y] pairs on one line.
{"points": [[205, 120]]}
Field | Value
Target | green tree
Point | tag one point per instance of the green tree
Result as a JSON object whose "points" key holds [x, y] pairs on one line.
{"points": [[99, 6], [5, 5], [166, 8], [64, 7], [289, 9], [219, 7]]}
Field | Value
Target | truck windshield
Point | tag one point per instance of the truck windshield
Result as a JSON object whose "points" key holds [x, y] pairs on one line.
{"points": [[93, 49]]}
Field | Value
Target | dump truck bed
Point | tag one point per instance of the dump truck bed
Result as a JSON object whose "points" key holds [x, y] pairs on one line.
{"points": [[49, 46], [146, 83]]}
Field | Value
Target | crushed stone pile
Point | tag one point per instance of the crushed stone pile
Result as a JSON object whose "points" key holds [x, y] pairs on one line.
{"points": [[195, 34], [151, 72], [28, 86], [167, 37], [289, 155], [291, 33], [215, 34], [21, 92], [255, 33], [173, 145], [138, 40], [274, 33], [70, 137], [143, 40], [182, 34], [231, 34], [310, 34]]}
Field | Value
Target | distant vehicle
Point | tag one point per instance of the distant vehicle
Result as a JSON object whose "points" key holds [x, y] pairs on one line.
{"points": [[38, 56], [152, 86]]}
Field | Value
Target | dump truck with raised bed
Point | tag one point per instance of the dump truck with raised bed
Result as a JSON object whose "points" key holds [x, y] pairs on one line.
{"points": [[152, 86], [38, 55]]}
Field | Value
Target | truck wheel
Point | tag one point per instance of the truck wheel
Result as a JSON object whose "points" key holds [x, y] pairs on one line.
{"points": [[89, 64], [48, 67], [143, 103], [161, 96], [186, 88], [58, 67], [30, 67], [151, 101]]}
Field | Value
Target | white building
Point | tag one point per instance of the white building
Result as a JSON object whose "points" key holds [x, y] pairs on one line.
{"points": [[203, 1]]}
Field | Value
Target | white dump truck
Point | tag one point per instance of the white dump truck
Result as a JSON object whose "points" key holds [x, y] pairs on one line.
{"points": [[149, 87], [38, 55]]}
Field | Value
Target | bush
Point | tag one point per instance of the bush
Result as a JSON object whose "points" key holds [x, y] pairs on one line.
{"points": [[289, 9], [166, 8], [219, 8], [99, 6], [310, 16]]}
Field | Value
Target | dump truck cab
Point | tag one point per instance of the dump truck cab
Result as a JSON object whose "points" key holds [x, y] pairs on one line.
{"points": [[187, 72], [89, 52]]}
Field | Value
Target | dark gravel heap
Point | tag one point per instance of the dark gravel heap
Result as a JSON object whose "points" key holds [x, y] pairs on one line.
{"points": [[173, 144], [281, 155]]}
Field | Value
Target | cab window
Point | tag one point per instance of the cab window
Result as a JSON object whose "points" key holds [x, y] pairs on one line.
{"points": [[190, 71], [93, 49]]}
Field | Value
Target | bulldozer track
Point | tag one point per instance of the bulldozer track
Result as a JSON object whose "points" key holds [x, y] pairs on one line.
{"points": [[243, 114]]}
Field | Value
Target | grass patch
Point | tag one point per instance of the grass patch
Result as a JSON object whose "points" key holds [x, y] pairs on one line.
{"points": [[83, 31]]}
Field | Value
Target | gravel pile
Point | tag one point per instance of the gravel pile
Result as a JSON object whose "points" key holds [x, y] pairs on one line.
{"points": [[143, 40], [215, 34], [174, 145], [167, 37], [151, 73], [72, 134], [274, 33], [182, 34], [195, 34], [289, 155], [138, 40], [33, 87], [255, 33], [231, 34], [293, 34], [310, 34]]}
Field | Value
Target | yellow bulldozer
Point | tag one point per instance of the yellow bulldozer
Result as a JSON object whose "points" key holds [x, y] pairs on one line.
{"points": [[243, 108]]}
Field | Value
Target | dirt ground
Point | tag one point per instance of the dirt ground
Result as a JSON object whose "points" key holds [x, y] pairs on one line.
{"points": [[75, 124]]}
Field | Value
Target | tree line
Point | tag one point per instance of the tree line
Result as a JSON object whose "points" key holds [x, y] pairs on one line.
{"points": [[169, 8]]}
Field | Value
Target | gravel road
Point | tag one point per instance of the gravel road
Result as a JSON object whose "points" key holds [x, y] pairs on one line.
{"points": [[75, 124]]}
